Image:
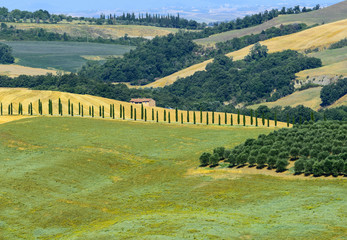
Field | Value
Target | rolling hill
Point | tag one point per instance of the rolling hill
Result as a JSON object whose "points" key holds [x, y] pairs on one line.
{"points": [[317, 37], [25, 96], [329, 14]]}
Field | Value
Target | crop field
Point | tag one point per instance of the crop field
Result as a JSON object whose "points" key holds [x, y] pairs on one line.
{"points": [[308, 98], [14, 70], [104, 31], [66, 56], [318, 37], [325, 15], [25, 96], [74, 178]]}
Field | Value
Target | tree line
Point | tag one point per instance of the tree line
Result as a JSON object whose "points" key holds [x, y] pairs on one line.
{"points": [[317, 148], [332, 92]]}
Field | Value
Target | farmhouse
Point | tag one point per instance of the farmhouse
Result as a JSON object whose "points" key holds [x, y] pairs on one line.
{"points": [[145, 101]]}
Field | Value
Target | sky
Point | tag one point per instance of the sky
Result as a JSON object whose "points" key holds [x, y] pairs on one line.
{"points": [[202, 10]]}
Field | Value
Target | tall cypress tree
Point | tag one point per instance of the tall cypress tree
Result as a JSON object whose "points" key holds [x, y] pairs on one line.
{"points": [[103, 112], [131, 112], [293, 121], [120, 111], [135, 114], [82, 110], [28, 109], [287, 120], [142, 112], [256, 118], [206, 118], [244, 119], [238, 117], [176, 114], [146, 115], [123, 113], [312, 116], [69, 107], [212, 117], [9, 110], [72, 109], [268, 121], [79, 109], [92, 111], [200, 115], [157, 116], [263, 119], [169, 118], [194, 118], [100, 112], [181, 118], [164, 115], [218, 119], [113, 116], [187, 116], [111, 111], [1, 108], [275, 119], [231, 120], [59, 106], [225, 118], [251, 117], [152, 114]]}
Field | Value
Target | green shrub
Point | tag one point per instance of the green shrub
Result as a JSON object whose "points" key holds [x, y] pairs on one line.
{"points": [[281, 165], [299, 166], [213, 160], [204, 159]]}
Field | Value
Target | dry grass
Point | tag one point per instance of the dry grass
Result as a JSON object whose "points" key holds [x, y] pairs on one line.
{"points": [[309, 98], [341, 102], [25, 96], [331, 70], [320, 37], [104, 31], [16, 70], [6, 119]]}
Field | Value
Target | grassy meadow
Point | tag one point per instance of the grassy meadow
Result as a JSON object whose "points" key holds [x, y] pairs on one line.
{"points": [[66, 56], [326, 15], [74, 178], [317, 37]]}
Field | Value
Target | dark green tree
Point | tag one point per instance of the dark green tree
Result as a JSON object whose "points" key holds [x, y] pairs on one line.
{"points": [[251, 117], [238, 117], [261, 160], [176, 114], [299, 166], [135, 114], [142, 112], [219, 119], [212, 117], [164, 115], [169, 118], [244, 120], [132, 112], [194, 118], [214, 160], [281, 165], [204, 159], [72, 109], [187, 116]]}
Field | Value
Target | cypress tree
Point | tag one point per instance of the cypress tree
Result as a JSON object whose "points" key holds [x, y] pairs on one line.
{"points": [[18, 108], [238, 117], [268, 121], [9, 110], [164, 115], [103, 112], [300, 120], [244, 119], [28, 109], [146, 115], [79, 108], [263, 118], [293, 121], [212, 117], [187, 116], [152, 114], [92, 111], [194, 118], [72, 109], [169, 118], [100, 114], [325, 117], [142, 112], [135, 114], [59, 104], [131, 112], [120, 111], [157, 116], [123, 113], [225, 118], [231, 120], [68, 107], [312, 116], [200, 115], [287, 120], [256, 118], [176, 114], [218, 119], [251, 117], [181, 118], [31, 108], [113, 116], [206, 118], [110, 110], [275, 119], [1, 108], [82, 110]]}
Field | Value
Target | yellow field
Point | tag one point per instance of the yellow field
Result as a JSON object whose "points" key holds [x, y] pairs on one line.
{"points": [[25, 96], [308, 98], [335, 69], [320, 37], [341, 102], [104, 31], [13, 70]]}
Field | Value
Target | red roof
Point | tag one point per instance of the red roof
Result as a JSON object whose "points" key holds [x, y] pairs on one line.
{"points": [[141, 99]]}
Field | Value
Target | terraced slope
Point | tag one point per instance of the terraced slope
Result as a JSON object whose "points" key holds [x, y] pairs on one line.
{"points": [[25, 96], [330, 14], [320, 36]]}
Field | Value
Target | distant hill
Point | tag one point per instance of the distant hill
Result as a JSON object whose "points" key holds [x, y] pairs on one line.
{"points": [[320, 36], [329, 14]]}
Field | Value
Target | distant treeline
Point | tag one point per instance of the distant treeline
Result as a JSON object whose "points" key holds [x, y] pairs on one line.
{"points": [[10, 33], [340, 44]]}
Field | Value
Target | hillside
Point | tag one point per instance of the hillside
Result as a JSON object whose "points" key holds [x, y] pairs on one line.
{"points": [[14, 70], [25, 96], [320, 36], [74, 178], [329, 14], [103, 31]]}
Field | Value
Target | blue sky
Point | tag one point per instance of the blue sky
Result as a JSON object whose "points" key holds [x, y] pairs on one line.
{"points": [[193, 8]]}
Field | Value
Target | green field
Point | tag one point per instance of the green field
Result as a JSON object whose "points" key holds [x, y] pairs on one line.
{"points": [[73, 178], [66, 56], [331, 56]]}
